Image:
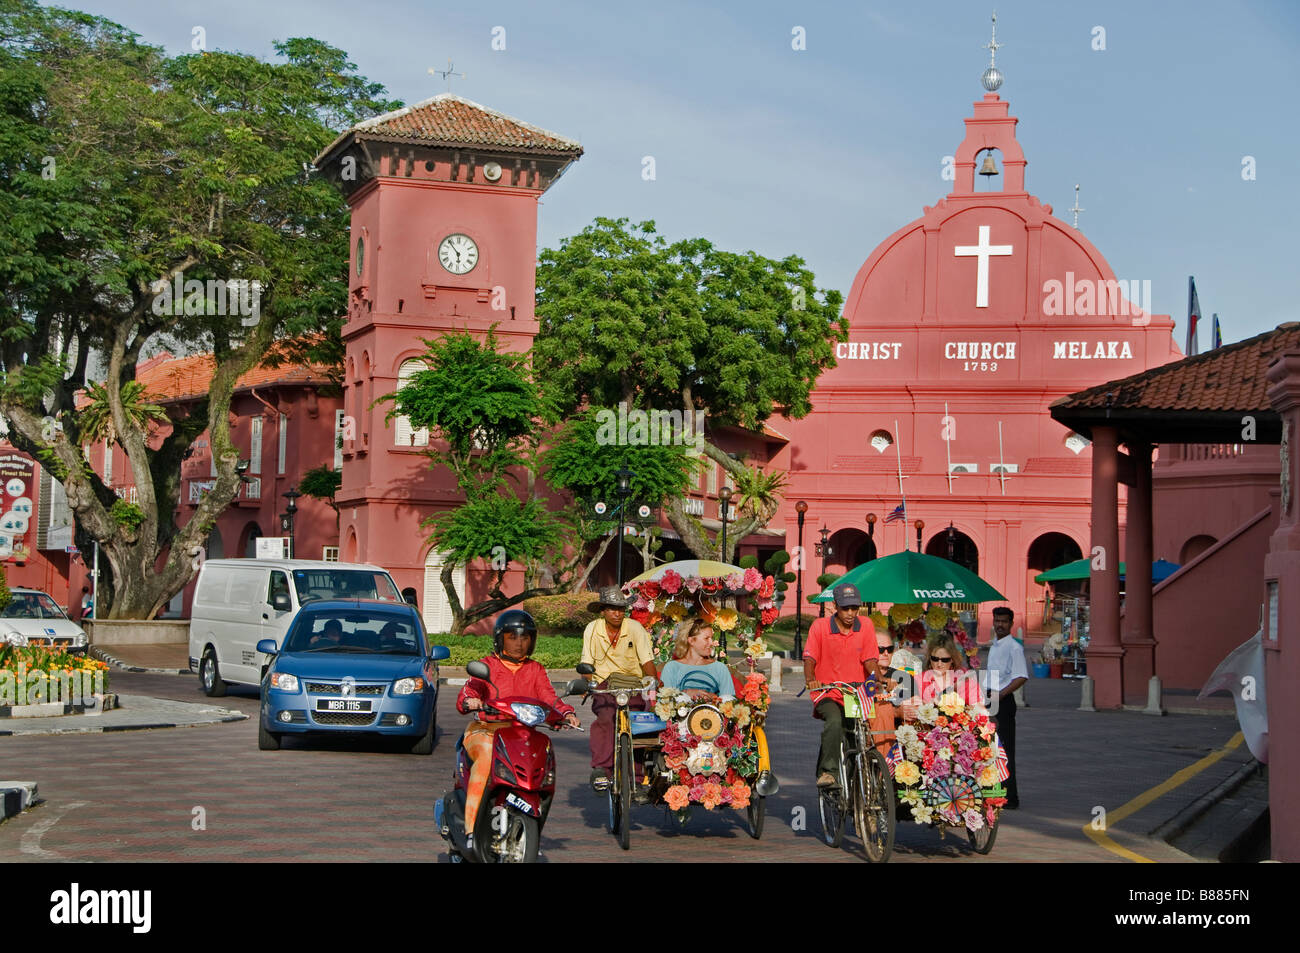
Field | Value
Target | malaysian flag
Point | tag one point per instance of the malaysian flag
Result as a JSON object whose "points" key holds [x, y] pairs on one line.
{"points": [[1193, 316], [899, 514], [1218, 335], [894, 758]]}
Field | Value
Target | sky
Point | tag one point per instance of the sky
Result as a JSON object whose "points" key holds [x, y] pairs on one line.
{"points": [[1177, 120]]}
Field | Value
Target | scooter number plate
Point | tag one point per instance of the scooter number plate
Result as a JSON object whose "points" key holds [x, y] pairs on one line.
{"points": [[514, 800]]}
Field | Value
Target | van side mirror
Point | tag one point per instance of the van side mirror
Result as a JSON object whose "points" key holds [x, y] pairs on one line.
{"points": [[438, 653], [268, 647], [280, 602]]}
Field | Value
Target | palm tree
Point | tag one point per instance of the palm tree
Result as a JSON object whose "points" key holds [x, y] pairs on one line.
{"points": [[97, 416]]}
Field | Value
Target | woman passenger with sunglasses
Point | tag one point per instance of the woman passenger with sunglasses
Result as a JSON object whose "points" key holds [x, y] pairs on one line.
{"points": [[945, 671]]}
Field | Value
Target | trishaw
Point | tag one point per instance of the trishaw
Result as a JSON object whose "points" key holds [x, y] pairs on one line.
{"points": [[708, 751], [695, 749], [945, 761]]}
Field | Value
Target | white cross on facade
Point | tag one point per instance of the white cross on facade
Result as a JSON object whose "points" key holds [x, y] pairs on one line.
{"points": [[983, 251]]}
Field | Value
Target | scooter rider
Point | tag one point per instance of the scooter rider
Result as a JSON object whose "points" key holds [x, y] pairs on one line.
{"points": [[514, 673]]}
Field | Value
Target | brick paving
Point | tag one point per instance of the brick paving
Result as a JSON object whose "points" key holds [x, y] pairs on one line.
{"points": [[131, 796]]}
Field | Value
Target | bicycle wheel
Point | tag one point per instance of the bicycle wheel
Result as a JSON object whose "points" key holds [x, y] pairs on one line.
{"points": [[624, 778], [832, 804], [877, 796], [982, 839]]}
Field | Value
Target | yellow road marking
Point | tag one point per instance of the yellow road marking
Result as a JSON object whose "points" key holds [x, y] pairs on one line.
{"points": [[1103, 840]]}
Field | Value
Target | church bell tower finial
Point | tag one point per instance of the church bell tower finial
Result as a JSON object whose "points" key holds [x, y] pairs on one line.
{"points": [[992, 78]]}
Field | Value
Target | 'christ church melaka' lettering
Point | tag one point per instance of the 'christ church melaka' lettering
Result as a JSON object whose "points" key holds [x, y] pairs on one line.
{"points": [[867, 350], [1091, 350]]}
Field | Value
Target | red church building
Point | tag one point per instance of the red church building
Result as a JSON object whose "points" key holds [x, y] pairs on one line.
{"points": [[965, 325]]}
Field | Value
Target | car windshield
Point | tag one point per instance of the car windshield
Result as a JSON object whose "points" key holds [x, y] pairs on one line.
{"points": [[356, 630], [32, 605], [316, 584]]}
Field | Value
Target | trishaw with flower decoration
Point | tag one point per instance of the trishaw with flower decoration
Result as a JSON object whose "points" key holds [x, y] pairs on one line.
{"points": [[697, 748]]}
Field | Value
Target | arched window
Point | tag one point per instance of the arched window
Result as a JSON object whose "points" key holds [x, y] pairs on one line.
{"points": [[881, 440], [403, 435]]}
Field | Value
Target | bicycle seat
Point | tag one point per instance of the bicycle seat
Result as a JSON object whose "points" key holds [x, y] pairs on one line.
{"points": [[647, 723]]}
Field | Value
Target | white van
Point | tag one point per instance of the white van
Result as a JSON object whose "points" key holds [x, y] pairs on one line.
{"points": [[239, 602]]}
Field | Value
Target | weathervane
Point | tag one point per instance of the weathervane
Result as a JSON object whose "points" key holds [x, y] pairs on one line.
{"points": [[992, 77], [1077, 209], [447, 73]]}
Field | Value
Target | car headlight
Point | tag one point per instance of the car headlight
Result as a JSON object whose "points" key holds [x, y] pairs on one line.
{"points": [[16, 639], [79, 639], [408, 686], [284, 681], [528, 714]]}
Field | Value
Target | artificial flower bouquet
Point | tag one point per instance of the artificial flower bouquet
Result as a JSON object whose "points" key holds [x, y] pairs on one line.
{"points": [[713, 772], [662, 604], [949, 766]]}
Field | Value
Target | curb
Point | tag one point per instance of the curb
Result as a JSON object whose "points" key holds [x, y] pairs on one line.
{"points": [[1189, 815], [16, 797], [128, 667], [103, 729]]}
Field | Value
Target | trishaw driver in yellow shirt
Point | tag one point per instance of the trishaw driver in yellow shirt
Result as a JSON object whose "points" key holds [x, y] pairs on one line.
{"points": [[620, 650]]}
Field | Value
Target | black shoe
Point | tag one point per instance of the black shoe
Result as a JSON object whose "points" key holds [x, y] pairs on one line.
{"points": [[1012, 805]]}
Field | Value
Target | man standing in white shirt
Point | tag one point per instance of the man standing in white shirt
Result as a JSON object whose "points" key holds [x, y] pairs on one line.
{"points": [[1007, 672]]}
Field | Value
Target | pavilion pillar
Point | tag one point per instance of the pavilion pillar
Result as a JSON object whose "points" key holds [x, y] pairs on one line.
{"points": [[1139, 634], [1282, 618], [1105, 653]]}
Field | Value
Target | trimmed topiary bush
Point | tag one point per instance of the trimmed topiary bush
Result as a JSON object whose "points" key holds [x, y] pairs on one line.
{"points": [[565, 613]]}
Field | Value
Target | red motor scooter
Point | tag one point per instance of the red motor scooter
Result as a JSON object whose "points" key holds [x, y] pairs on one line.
{"points": [[520, 787]]}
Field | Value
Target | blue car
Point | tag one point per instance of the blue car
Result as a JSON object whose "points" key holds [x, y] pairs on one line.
{"points": [[356, 665]]}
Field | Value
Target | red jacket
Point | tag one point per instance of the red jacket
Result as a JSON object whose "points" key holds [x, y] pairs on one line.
{"points": [[531, 681]]}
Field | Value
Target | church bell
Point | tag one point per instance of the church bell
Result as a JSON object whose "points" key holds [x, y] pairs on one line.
{"points": [[989, 167]]}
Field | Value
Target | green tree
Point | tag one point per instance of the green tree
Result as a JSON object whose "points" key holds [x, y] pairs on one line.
{"points": [[483, 413], [581, 462], [121, 172], [322, 483], [627, 317]]}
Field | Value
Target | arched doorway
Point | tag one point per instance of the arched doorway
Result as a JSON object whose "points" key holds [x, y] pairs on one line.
{"points": [[1047, 552], [1194, 547], [252, 533], [964, 551], [850, 548]]}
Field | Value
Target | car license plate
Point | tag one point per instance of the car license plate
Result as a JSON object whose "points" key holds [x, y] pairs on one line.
{"points": [[342, 704]]}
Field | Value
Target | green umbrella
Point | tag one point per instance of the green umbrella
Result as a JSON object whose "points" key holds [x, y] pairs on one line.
{"points": [[1079, 569], [914, 577]]}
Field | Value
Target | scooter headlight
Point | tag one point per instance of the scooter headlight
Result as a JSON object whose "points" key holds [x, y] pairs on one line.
{"points": [[529, 714]]}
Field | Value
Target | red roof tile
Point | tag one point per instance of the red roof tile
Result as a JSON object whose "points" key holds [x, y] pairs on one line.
{"points": [[1228, 378], [187, 377], [450, 119]]}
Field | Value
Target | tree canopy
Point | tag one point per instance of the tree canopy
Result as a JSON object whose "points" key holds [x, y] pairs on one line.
{"points": [[627, 317], [125, 174]]}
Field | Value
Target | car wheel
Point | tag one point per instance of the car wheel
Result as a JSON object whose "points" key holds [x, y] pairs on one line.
{"points": [[210, 675], [424, 744], [266, 740]]}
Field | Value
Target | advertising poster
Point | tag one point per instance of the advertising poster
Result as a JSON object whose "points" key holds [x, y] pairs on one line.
{"points": [[17, 511]]}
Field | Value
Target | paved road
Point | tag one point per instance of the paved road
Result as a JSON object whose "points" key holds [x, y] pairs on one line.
{"points": [[139, 795]]}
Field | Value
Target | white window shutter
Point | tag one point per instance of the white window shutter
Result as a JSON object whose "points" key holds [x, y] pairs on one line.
{"points": [[255, 447], [403, 435], [435, 609], [282, 434]]}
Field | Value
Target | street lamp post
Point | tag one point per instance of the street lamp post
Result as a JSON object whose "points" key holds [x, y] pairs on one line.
{"points": [[623, 487], [871, 538], [724, 507], [920, 525], [802, 509], [824, 551], [290, 511], [952, 538]]}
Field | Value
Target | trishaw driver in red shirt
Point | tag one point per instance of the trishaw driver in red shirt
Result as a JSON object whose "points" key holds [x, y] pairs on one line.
{"points": [[840, 649]]}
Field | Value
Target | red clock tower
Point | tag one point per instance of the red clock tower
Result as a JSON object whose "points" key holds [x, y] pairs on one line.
{"points": [[444, 237]]}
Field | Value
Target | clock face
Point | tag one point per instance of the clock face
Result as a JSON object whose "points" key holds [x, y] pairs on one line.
{"points": [[458, 254]]}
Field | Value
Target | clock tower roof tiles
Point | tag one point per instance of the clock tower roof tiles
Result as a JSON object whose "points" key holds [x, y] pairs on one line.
{"points": [[448, 119]]}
